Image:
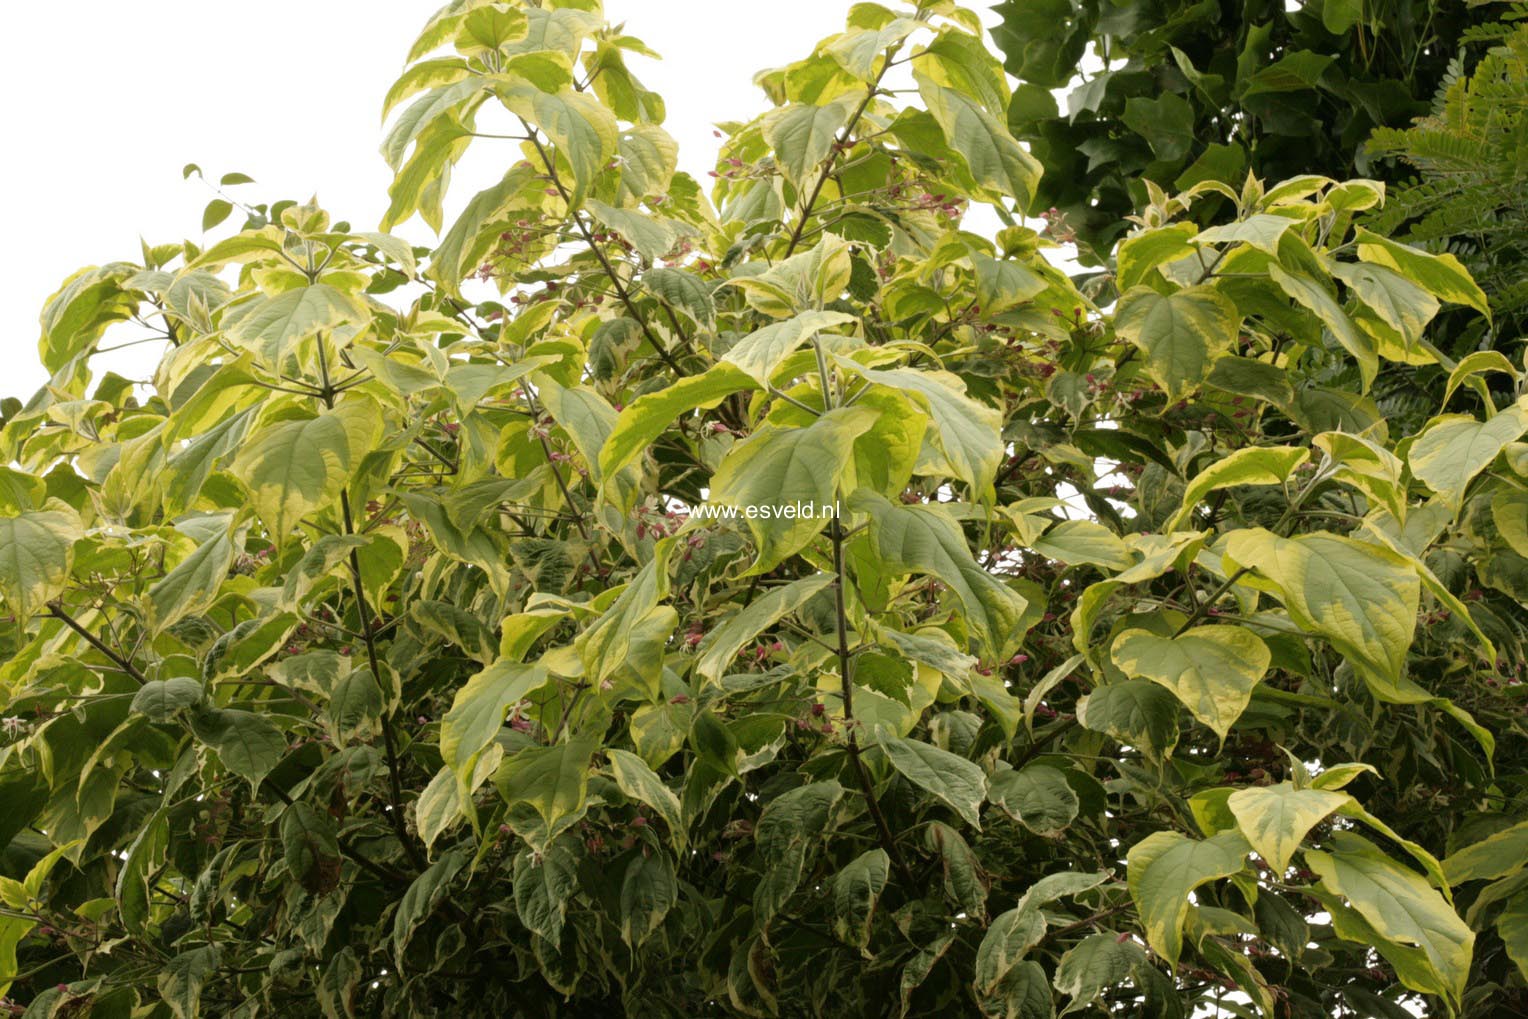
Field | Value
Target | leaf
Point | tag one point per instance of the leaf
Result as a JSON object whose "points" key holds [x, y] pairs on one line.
{"points": [[638, 781], [1095, 964], [160, 699], [953, 780], [543, 886], [1276, 818], [1140, 253], [1315, 297], [762, 351], [1136, 712], [552, 782], [651, 414], [1077, 542], [650, 236], [1440, 275], [964, 880], [1164, 868], [1181, 333], [74, 318], [1453, 448], [1262, 231], [683, 291], [1399, 303], [922, 539], [1037, 796], [648, 891], [856, 890], [1211, 669], [193, 584], [36, 550], [1253, 465], [271, 327], [719, 649], [584, 133], [789, 826], [1008, 938], [1400, 906], [802, 136], [182, 979], [784, 481], [423, 895], [996, 161], [1361, 597], [1001, 284], [1499, 854], [966, 431], [294, 467], [248, 744]]}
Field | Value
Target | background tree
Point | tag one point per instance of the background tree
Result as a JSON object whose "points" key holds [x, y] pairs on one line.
{"points": [[369, 660], [1190, 91]]}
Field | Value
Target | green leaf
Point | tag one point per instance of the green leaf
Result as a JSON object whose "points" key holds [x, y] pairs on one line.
{"points": [[1140, 253], [652, 237], [1262, 231], [1008, 938], [1254, 465], [776, 473], [683, 291], [1001, 284], [856, 891], [74, 318], [789, 827], [1136, 712], [271, 327], [36, 550], [1361, 597], [479, 709], [802, 136], [583, 132], [1317, 299], [1399, 303], [183, 978], [719, 649], [1037, 796], [638, 781], [193, 584], [543, 886], [651, 414], [1211, 669], [295, 467], [1164, 868], [1095, 964], [1181, 333], [1440, 275], [1453, 448], [249, 745], [953, 780], [966, 434], [1077, 542], [160, 699], [1498, 855], [1166, 122], [423, 895], [995, 160], [1400, 906], [1276, 818], [762, 351], [553, 783], [923, 539], [648, 891]]}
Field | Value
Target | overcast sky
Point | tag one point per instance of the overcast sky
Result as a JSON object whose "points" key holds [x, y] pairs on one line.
{"points": [[107, 100]]}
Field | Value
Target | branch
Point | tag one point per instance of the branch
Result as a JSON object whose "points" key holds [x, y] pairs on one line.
{"points": [[57, 611]]}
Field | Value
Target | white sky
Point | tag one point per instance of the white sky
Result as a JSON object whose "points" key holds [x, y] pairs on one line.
{"points": [[106, 101]]}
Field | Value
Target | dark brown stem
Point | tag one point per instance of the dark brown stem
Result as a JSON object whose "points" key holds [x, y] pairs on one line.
{"points": [[121, 661]]}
